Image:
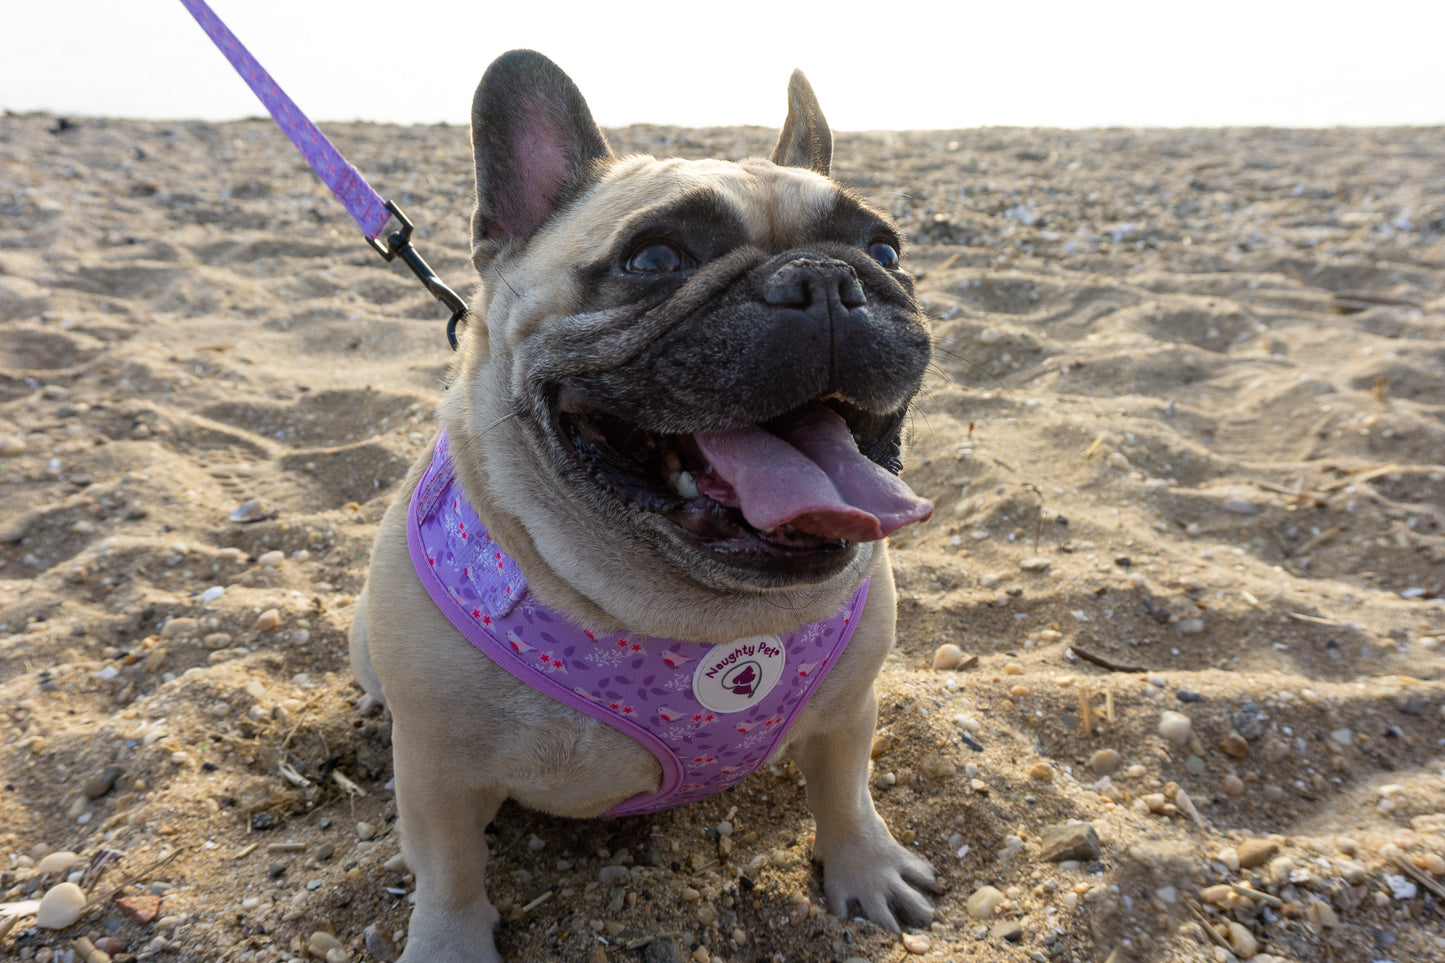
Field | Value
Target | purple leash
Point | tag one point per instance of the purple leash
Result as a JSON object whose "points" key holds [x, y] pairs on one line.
{"points": [[365, 205]]}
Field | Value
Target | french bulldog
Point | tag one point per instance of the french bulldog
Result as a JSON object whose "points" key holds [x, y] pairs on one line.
{"points": [[673, 430]]}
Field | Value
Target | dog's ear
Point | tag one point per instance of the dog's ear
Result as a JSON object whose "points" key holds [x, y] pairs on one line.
{"points": [[535, 145], [805, 140]]}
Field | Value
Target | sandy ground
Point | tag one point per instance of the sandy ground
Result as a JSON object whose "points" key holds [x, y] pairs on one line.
{"points": [[1187, 421]]}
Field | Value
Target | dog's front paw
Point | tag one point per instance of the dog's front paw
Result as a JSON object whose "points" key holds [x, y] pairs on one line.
{"points": [[882, 880]]}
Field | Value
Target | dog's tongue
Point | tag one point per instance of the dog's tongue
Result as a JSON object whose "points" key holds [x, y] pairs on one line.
{"points": [[808, 472]]}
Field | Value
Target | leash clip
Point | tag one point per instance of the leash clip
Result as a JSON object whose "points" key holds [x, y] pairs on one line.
{"points": [[398, 244]]}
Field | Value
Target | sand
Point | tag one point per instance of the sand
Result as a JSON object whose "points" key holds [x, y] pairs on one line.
{"points": [[1187, 420]]}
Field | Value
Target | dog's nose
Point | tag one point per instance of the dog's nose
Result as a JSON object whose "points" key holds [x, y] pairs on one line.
{"points": [[813, 283]]}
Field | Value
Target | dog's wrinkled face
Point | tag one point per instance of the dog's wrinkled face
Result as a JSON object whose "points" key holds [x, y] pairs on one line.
{"points": [[708, 361]]}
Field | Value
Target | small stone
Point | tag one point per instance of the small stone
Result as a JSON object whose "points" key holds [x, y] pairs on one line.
{"points": [[1009, 930], [325, 851], [1250, 721], [379, 946], [948, 656], [252, 510], [1232, 785], [664, 949], [268, 620], [916, 943], [1175, 728], [11, 445], [1234, 745], [1217, 895], [983, 901], [101, 783], [613, 875], [180, 627], [1041, 772], [1077, 841], [1190, 626], [1036, 563], [1322, 915], [142, 909], [56, 863], [60, 906], [1240, 506], [1105, 762], [365, 830], [1256, 852], [1242, 941], [938, 766], [272, 558], [321, 943], [1343, 737]]}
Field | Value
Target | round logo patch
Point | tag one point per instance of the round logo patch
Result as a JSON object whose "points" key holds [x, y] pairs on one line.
{"points": [[736, 675]]}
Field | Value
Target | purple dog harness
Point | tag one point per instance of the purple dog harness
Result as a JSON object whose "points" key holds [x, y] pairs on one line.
{"points": [[710, 714]]}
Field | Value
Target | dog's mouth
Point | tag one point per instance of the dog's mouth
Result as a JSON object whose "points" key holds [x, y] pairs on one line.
{"points": [[808, 482]]}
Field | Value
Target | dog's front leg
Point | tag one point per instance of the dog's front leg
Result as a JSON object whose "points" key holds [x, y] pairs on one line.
{"points": [[444, 812], [863, 865]]}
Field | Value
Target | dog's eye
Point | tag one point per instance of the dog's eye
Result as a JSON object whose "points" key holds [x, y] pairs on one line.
{"points": [[656, 257], [884, 253]]}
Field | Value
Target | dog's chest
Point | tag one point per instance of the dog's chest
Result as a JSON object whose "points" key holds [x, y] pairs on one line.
{"points": [[709, 714]]}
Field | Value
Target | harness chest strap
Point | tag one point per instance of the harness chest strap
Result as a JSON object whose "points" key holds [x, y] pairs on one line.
{"points": [[710, 714]]}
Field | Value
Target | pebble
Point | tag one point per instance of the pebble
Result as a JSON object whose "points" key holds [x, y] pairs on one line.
{"points": [[11, 445], [252, 510], [1240, 506], [377, 944], [1234, 745], [1042, 772], [1250, 721], [1076, 841], [1190, 626], [1175, 728], [272, 558], [322, 943], [56, 863], [938, 766], [268, 620], [917, 943], [1036, 563], [179, 627], [1105, 762], [1009, 930], [1256, 852], [60, 906], [612, 875], [1242, 941], [365, 830], [948, 656], [983, 901]]}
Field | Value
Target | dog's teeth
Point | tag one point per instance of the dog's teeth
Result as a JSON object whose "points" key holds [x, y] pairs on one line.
{"points": [[684, 484]]}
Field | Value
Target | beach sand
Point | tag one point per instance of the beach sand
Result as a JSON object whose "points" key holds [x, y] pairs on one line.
{"points": [[1185, 434]]}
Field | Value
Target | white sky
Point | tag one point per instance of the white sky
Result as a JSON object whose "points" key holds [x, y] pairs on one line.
{"points": [[875, 64]]}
